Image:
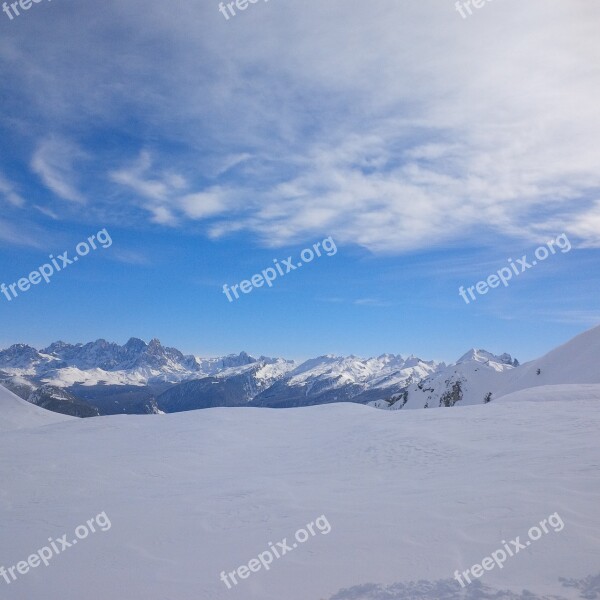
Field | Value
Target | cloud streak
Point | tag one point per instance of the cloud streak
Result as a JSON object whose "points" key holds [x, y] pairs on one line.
{"points": [[54, 163]]}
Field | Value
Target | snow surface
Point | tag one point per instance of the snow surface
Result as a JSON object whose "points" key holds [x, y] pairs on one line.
{"points": [[575, 362], [409, 495], [19, 414], [554, 392]]}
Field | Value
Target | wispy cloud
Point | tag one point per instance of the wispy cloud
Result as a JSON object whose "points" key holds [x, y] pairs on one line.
{"points": [[154, 188], [130, 257], [15, 235], [305, 139], [54, 162], [374, 302], [48, 212], [8, 190], [161, 193], [571, 317], [231, 161]]}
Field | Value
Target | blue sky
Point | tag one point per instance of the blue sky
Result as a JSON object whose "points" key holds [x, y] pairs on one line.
{"points": [[431, 149]]}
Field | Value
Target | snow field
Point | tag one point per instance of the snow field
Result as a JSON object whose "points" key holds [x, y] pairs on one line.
{"points": [[410, 495]]}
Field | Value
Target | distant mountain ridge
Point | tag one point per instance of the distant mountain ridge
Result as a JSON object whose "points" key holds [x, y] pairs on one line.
{"points": [[142, 377], [344, 379], [106, 378], [133, 363]]}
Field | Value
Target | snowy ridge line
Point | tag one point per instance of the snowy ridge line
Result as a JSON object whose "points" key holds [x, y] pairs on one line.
{"points": [[255, 564], [45, 554], [499, 557]]}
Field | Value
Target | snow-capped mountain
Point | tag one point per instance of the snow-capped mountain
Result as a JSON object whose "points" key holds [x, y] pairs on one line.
{"points": [[146, 378], [277, 383], [483, 356], [469, 381], [341, 379], [107, 363], [105, 378], [234, 386], [479, 377]]}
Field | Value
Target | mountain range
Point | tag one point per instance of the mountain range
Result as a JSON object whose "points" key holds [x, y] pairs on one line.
{"points": [[101, 378]]}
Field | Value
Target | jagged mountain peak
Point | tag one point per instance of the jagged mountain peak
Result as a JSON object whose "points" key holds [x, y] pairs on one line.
{"points": [[20, 349], [485, 357], [56, 347], [136, 344]]}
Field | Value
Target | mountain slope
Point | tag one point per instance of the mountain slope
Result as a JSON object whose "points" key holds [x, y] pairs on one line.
{"points": [[107, 363], [480, 376], [344, 379], [575, 362], [61, 401], [469, 381], [16, 413], [235, 386]]}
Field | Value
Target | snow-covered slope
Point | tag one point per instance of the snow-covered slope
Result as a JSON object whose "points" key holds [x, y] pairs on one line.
{"points": [[410, 497], [547, 393], [480, 376], [16, 413], [577, 361]]}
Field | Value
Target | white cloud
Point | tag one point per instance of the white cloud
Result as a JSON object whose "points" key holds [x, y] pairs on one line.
{"points": [[7, 189], [160, 193], [48, 212], [373, 302], [130, 257], [402, 128], [211, 202], [54, 162], [135, 177], [156, 190], [16, 235], [231, 161]]}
